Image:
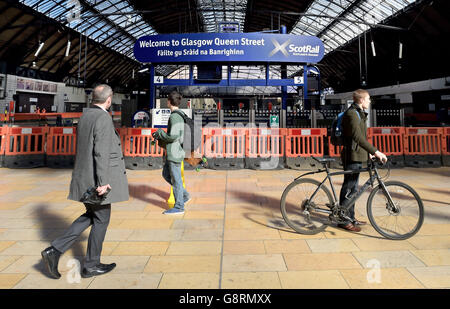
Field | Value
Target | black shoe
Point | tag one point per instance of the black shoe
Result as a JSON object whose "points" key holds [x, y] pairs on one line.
{"points": [[51, 259], [100, 269]]}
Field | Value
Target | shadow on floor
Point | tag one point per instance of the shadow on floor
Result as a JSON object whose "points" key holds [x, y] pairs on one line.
{"points": [[142, 192], [273, 204], [49, 221]]}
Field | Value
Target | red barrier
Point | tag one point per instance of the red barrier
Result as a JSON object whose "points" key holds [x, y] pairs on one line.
{"points": [[445, 138], [264, 143], [305, 142], [388, 140], [25, 147], [61, 141], [224, 142], [138, 143], [422, 141], [3, 132]]}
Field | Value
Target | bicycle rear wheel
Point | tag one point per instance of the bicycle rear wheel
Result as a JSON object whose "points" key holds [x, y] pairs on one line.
{"points": [[402, 222], [300, 212]]}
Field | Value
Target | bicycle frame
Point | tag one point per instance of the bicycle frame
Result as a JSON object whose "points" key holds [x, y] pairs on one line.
{"points": [[373, 175]]}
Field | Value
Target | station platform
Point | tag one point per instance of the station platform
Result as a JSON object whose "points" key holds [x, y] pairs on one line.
{"points": [[231, 236]]}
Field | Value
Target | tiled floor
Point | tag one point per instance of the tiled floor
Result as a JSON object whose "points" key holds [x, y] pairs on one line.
{"points": [[232, 235]]}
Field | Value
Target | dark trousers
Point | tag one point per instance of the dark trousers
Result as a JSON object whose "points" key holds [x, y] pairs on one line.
{"points": [[350, 186], [96, 215]]}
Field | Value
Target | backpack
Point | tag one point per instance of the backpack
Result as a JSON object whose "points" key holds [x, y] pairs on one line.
{"points": [[192, 133], [336, 136]]}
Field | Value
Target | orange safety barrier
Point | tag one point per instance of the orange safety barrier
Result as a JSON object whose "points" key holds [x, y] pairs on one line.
{"points": [[302, 144], [139, 152], [61, 141], [25, 147], [388, 140], [224, 142], [61, 147], [422, 141], [122, 133], [224, 147], [445, 138], [422, 147], [333, 151], [305, 142], [265, 143], [3, 131]]}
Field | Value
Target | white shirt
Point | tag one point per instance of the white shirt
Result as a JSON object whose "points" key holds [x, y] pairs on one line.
{"points": [[102, 108]]}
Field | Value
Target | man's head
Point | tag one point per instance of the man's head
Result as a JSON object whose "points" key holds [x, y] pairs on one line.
{"points": [[102, 95], [362, 98], [174, 99]]}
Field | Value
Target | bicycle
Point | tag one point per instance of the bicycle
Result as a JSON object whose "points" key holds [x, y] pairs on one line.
{"points": [[308, 207]]}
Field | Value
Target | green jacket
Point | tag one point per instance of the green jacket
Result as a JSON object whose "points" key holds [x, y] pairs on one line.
{"points": [[354, 130], [173, 139]]}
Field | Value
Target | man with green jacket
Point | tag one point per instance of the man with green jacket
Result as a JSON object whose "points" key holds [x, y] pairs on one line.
{"points": [[356, 150], [172, 141]]}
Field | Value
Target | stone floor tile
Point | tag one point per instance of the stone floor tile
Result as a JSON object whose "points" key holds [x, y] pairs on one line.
{"points": [[126, 264], [198, 224], [432, 277], [7, 260], [243, 247], [251, 234], [262, 262], [118, 234], [434, 229], [205, 234], [388, 259], [323, 279], [285, 233], [6, 244], [195, 248], [126, 281], [179, 264], [25, 234], [203, 214], [38, 281], [433, 257], [321, 261], [189, 281], [148, 248], [331, 245], [286, 246], [140, 224], [253, 280], [427, 242], [8, 281], [373, 244], [25, 247], [385, 278], [155, 235]]}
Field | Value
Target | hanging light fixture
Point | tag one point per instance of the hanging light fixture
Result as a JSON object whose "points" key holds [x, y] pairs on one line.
{"points": [[372, 44], [400, 50], [41, 44], [67, 49]]}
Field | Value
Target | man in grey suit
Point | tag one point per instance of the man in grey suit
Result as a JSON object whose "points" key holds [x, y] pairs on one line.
{"points": [[98, 163]]}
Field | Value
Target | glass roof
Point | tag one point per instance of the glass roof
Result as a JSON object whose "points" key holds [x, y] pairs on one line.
{"points": [[335, 33], [216, 11], [119, 32]]}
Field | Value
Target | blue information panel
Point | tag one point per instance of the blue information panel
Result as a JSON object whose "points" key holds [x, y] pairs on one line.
{"points": [[224, 47]]}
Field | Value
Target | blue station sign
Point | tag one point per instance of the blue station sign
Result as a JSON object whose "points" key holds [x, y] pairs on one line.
{"points": [[225, 47]]}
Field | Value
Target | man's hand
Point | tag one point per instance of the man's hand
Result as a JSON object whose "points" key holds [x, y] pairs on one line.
{"points": [[380, 156], [102, 190]]}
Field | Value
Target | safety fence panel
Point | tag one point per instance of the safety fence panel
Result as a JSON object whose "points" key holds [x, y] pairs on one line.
{"points": [[224, 147], [445, 138], [390, 142], [302, 144], [61, 147], [25, 147], [140, 152], [122, 133], [422, 147], [3, 132], [265, 148]]}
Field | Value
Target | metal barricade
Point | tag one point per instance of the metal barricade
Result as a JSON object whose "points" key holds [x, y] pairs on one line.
{"points": [[422, 147], [25, 147], [61, 147], [302, 144], [265, 148], [139, 151]]}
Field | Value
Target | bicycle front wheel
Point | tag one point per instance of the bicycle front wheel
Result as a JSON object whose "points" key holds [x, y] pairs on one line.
{"points": [[401, 220], [299, 210]]}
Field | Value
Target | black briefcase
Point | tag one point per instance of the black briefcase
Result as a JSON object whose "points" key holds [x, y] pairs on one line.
{"points": [[91, 196]]}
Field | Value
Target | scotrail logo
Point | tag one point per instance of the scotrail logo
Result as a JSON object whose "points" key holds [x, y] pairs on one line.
{"points": [[303, 50]]}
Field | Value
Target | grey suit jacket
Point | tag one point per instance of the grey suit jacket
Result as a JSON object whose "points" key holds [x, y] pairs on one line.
{"points": [[99, 159]]}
